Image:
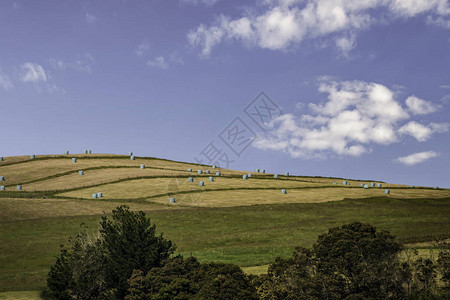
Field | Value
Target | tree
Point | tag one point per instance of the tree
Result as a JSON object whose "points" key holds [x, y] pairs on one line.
{"points": [[99, 268], [362, 255], [353, 261], [130, 242], [188, 279]]}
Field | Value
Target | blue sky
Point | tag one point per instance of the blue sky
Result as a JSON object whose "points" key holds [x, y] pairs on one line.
{"points": [[356, 89]]}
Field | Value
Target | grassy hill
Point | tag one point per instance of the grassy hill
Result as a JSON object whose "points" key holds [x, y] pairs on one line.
{"points": [[245, 221]]}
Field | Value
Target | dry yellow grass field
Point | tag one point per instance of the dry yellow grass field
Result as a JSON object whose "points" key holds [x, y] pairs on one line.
{"points": [[29, 209], [309, 195], [30, 170], [142, 188]]}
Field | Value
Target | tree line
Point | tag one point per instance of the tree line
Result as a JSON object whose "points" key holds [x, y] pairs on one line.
{"points": [[128, 260]]}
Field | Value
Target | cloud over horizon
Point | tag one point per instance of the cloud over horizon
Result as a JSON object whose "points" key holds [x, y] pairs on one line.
{"points": [[357, 116], [417, 158], [285, 23]]}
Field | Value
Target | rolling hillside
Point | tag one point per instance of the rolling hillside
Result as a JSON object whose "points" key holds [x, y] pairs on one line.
{"points": [[230, 219]]}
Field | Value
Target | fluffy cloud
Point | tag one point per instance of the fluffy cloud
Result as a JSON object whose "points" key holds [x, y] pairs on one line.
{"points": [[418, 106], [417, 158], [284, 23], [422, 132], [158, 62], [5, 83], [31, 72], [356, 116]]}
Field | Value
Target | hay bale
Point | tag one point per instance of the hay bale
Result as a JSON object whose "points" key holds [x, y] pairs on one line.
{"points": [[189, 170], [66, 152], [372, 184], [1, 158], [74, 159], [207, 172], [211, 178], [199, 172], [2, 178], [130, 153], [283, 191], [366, 186], [244, 176], [172, 200], [191, 179], [142, 166], [94, 196], [19, 187], [218, 173], [275, 175], [99, 195], [249, 175], [80, 173], [2, 187], [344, 182], [32, 156], [201, 183], [287, 174], [132, 157], [387, 191], [378, 185]]}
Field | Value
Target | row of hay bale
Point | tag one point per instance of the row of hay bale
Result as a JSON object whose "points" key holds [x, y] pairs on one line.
{"points": [[97, 195], [200, 172], [18, 187]]}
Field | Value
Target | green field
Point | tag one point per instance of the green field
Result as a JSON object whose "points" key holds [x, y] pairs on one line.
{"points": [[247, 222]]}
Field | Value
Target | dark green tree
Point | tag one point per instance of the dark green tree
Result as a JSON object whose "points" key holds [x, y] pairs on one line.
{"points": [[361, 255], [130, 242], [189, 279], [99, 268], [353, 261]]}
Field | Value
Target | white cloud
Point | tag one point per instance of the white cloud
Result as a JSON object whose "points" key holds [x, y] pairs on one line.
{"points": [[31, 72], [418, 106], [446, 98], [5, 83], [346, 43], [422, 132], [197, 2], [418, 131], [286, 23], [417, 158], [57, 63], [158, 62], [90, 18], [356, 116], [142, 49], [80, 63]]}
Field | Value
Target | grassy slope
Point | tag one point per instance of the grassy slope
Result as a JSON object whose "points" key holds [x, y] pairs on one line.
{"points": [[32, 229], [248, 236]]}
